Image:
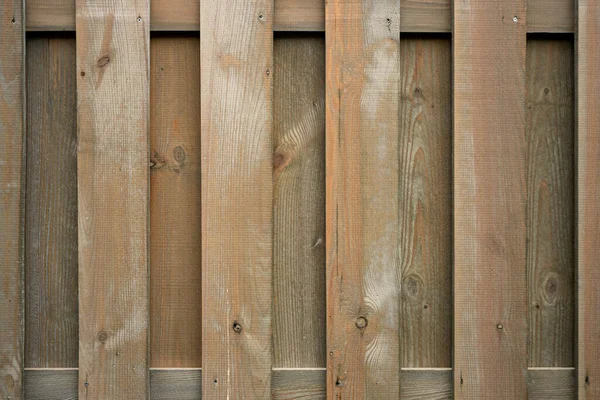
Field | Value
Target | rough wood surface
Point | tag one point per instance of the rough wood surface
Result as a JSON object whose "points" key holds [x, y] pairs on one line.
{"points": [[551, 384], [490, 289], [175, 284], [113, 173], [425, 201], [237, 198], [363, 277], [180, 384], [426, 385], [550, 202], [299, 202], [51, 206], [12, 196], [305, 384], [588, 198], [302, 15]]}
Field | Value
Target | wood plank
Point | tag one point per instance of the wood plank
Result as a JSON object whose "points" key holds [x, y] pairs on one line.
{"points": [[236, 64], [423, 384], [175, 224], [12, 196], [587, 47], [51, 384], [363, 277], [299, 202], [305, 384], [550, 384], [550, 202], [180, 384], [302, 15], [51, 325], [490, 290], [113, 173], [425, 203]]}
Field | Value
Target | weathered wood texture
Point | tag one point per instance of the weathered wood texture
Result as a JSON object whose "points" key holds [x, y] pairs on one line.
{"points": [[303, 15], [175, 224], [113, 173], [363, 277], [299, 202], [588, 198], [550, 203], [180, 384], [425, 201], [305, 384], [490, 290], [12, 196], [551, 384], [51, 325], [237, 197], [426, 385]]}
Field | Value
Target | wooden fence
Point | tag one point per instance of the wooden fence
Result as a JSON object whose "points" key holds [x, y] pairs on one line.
{"points": [[373, 199]]}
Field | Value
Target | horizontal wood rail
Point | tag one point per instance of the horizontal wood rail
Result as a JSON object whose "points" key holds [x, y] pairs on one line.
{"points": [[305, 383], [543, 16]]}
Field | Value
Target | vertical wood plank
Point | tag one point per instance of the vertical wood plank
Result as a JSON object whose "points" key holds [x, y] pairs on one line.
{"points": [[362, 72], [550, 202], [425, 201], [12, 199], [236, 62], [299, 202], [175, 287], [51, 205], [588, 197], [490, 290], [113, 168]]}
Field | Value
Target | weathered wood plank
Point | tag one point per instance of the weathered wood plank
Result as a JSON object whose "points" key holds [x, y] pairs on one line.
{"points": [[299, 338], [550, 202], [175, 224], [304, 384], [490, 289], [302, 15], [425, 193], [113, 168], [237, 197], [12, 196], [51, 206], [363, 277], [587, 48]]}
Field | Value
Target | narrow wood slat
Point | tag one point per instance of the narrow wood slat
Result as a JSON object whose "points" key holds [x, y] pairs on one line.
{"points": [[237, 197], [303, 384], [362, 72], [425, 201], [550, 202], [51, 207], [588, 198], [490, 291], [12, 196], [299, 202], [113, 168], [175, 284], [302, 15]]}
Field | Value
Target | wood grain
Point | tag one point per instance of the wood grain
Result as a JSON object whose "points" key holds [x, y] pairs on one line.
{"points": [[490, 289], [587, 48], [113, 173], [175, 223], [303, 15], [551, 384], [180, 384], [363, 277], [51, 325], [299, 202], [12, 196], [425, 201], [237, 198], [550, 202], [305, 384], [426, 384]]}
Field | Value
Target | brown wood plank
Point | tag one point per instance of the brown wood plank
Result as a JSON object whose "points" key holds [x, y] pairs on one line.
{"points": [[113, 173], [302, 15], [299, 202], [236, 63], [175, 224], [425, 203], [587, 47], [426, 384], [550, 202], [12, 196], [490, 290], [180, 384], [305, 384], [363, 277], [51, 206], [549, 384]]}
